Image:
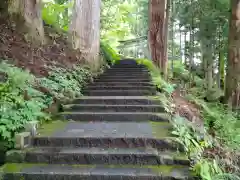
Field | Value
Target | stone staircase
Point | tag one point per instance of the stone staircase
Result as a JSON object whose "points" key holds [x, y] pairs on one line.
{"points": [[117, 131]]}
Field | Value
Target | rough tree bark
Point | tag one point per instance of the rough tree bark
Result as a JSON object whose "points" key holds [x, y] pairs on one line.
{"points": [[28, 12], [232, 90], [85, 29], [221, 69], [156, 32], [165, 47]]}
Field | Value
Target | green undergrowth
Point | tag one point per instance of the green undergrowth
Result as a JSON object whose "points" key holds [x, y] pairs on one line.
{"points": [[196, 142], [217, 116], [25, 97], [108, 53]]}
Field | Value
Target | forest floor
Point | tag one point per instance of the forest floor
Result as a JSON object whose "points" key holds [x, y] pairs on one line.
{"points": [[37, 59], [228, 157]]}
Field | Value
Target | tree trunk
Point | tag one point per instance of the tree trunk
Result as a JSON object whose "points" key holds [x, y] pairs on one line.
{"points": [[85, 29], [4, 8], [156, 32], [232, 91], [185, 47], [165, 47], [208, 63], [29, 13], [221, 69]]}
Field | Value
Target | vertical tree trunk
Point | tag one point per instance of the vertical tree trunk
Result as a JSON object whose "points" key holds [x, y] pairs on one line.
{"points": [[232, 91], [207, 62], [221, 69], [165, 46], [156, 31], [185, 47], [4, 8], [85, 28], [209, 77], [29, 13]]}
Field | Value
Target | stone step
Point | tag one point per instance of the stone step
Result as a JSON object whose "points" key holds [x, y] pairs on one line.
{"points": [[95, 87], [107, 135], [113, 108], [115, 116], [117, 100], [128, 66], [108, 156], [123, 77], [124, 73], [122, 80], [119, 92], [128, 70], [90, 172], [136, 84]]}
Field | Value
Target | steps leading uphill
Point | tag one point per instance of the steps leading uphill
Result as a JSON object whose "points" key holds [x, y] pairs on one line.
{"points": [[117, 131]]}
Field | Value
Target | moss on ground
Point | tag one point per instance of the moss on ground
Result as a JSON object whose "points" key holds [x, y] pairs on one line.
{"points": [[161, 129], [49, 128], [162, 169]]}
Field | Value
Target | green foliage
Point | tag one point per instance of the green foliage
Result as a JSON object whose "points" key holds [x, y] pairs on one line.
{"points": [[66, 83], [123, 20], [196, 141], [57, 14], [20, 102], [109, 53], [222, 119], [156, 76]]}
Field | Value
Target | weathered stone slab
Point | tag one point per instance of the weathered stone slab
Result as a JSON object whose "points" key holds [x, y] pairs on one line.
{"points": [[126, 87], [114, 83], [109, 156], [122, 80], [22, 140], [113, 108], [119, 93], [115, 116], [115, 100], [68, 172]]}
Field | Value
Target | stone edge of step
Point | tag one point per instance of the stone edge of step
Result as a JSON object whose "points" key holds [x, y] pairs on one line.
{"points": [[74, 171], [146, 156]]}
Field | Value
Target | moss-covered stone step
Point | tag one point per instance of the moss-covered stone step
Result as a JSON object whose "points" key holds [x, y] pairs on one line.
{"points": [[113, 108], [129, 67], [135, 84], [122, 80], [115, 100], [127, 70], [127, 87], [138, 67], [119, 92], [105, 129], [113, 156], [125, 73], [72, 172], [115, 116], [107, 134]]}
